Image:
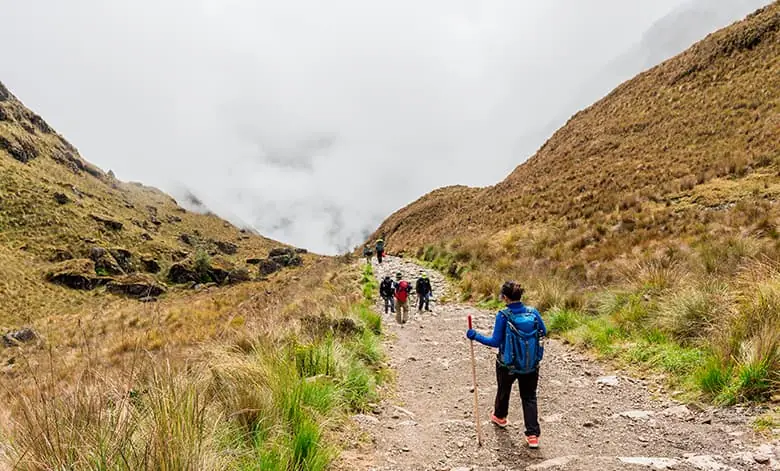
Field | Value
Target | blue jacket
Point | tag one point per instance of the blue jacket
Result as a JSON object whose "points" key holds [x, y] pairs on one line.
{"points": [[499, 329]]}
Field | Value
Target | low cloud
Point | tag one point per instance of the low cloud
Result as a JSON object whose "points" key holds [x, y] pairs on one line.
{"points": [[312, 121]]}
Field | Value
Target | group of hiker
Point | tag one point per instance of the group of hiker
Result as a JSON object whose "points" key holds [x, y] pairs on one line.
{"points": [[380, 251], [396, 293], [518, 334]]}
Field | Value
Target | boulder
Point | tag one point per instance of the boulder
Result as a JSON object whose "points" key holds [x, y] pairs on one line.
{"points": [[15, 338], [124, 258], [150, 265], [61, 198], [254, 261], [295, 261], [136, 286], [105, 264], [239, 275], [5, 95], [227, 248], [186, 238], [287, 260], [108, 222], [280, 251], [76, 274], [301, 251], [219, 270], [21, 150], [188, 271], [183, 272], [268, 266]]}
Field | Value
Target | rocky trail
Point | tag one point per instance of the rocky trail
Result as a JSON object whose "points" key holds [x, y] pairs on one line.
{"points": [[591, 418]]}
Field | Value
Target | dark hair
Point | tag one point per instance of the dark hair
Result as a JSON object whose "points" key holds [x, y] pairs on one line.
{"points": [[512, 290]]}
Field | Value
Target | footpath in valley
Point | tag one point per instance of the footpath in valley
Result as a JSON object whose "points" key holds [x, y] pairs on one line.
{"points": [[591, 418]]}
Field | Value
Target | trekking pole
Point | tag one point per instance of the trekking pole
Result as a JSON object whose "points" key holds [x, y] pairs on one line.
{"points": [[476, 394]]}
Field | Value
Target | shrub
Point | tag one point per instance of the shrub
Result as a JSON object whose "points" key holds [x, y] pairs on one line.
{"points": [[727, 256], [554, 292], [713, 376], [370, 318], [691, 313], [202, 266], [561, 320], [368, 283]]}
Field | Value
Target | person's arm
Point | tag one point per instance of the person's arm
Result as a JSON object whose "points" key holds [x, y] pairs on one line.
{"points": [[541, 321], [498, 333]]}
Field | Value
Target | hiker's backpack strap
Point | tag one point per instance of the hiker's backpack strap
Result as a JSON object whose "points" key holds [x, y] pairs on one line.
{"points": [[508, 317]]}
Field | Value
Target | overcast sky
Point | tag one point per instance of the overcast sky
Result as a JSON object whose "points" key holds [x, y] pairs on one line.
{"points": [[311, 120]]}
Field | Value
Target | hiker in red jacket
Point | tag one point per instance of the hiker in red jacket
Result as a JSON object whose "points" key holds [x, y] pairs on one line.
{"points": [[402, 290]]}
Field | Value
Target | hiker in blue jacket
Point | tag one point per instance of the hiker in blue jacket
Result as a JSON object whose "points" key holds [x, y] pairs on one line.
{"points": [[524, 319]]}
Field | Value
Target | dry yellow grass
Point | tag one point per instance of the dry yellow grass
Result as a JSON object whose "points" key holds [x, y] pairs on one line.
{"points": [[668, 155], [55, 205], [637, 222]]}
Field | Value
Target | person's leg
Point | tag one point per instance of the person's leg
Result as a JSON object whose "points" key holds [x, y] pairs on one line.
{"points": [[420, 300], [392, 304], [406, 311], [398, 313], [504, 382], [527, 384], [428, 302], [387, 304]]}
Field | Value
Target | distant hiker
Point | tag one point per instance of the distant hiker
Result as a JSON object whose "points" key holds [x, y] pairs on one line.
{"points": [[424, 292], [402, 291], [387, 292], [367, 253], [517, 335], [380, 250]]}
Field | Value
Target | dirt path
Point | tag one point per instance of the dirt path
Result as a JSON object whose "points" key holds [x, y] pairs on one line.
{"points": [[591, 418]]}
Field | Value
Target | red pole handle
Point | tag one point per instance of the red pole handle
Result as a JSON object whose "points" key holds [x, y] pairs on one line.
{"points": [[469, 321]]}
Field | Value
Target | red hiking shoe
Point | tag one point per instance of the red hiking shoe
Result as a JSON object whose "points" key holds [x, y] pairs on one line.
{"points": [[533, 441], [500, 422]]}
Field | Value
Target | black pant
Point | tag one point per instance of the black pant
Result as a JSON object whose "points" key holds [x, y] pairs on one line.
{"points": [[527, 384], [389, 303], [379, 254], [423, 300]]}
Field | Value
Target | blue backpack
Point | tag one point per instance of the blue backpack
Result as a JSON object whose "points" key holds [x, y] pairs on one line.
{"points": [[523, 349]]}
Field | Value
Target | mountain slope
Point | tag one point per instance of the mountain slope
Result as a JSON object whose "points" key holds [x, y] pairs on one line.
{"points": [[659, 148], [76, 242], [646, 229]]}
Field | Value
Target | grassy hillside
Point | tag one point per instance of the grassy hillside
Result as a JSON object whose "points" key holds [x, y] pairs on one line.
{"points": [[647, 225], [66, 224], [162, 338]]}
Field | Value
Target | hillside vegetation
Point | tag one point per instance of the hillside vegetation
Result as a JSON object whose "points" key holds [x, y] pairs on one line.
{"points": [[647, 225], [78, 248], [138, 335]]}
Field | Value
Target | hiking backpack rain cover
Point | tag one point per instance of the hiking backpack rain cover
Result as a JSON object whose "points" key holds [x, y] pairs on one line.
{"points": [[523, 350]]}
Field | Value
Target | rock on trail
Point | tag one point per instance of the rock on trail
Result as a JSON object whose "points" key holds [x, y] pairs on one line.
{"points": [[592, 418]]}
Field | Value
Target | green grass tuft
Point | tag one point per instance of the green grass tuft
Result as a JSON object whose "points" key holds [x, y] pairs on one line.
{"points": [[560, 320]]}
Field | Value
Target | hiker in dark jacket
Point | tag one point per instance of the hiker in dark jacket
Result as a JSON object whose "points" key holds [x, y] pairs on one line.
{"points": [[367, 253], [424, 292], [511, 293], [380, 250], [387, 292]]}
